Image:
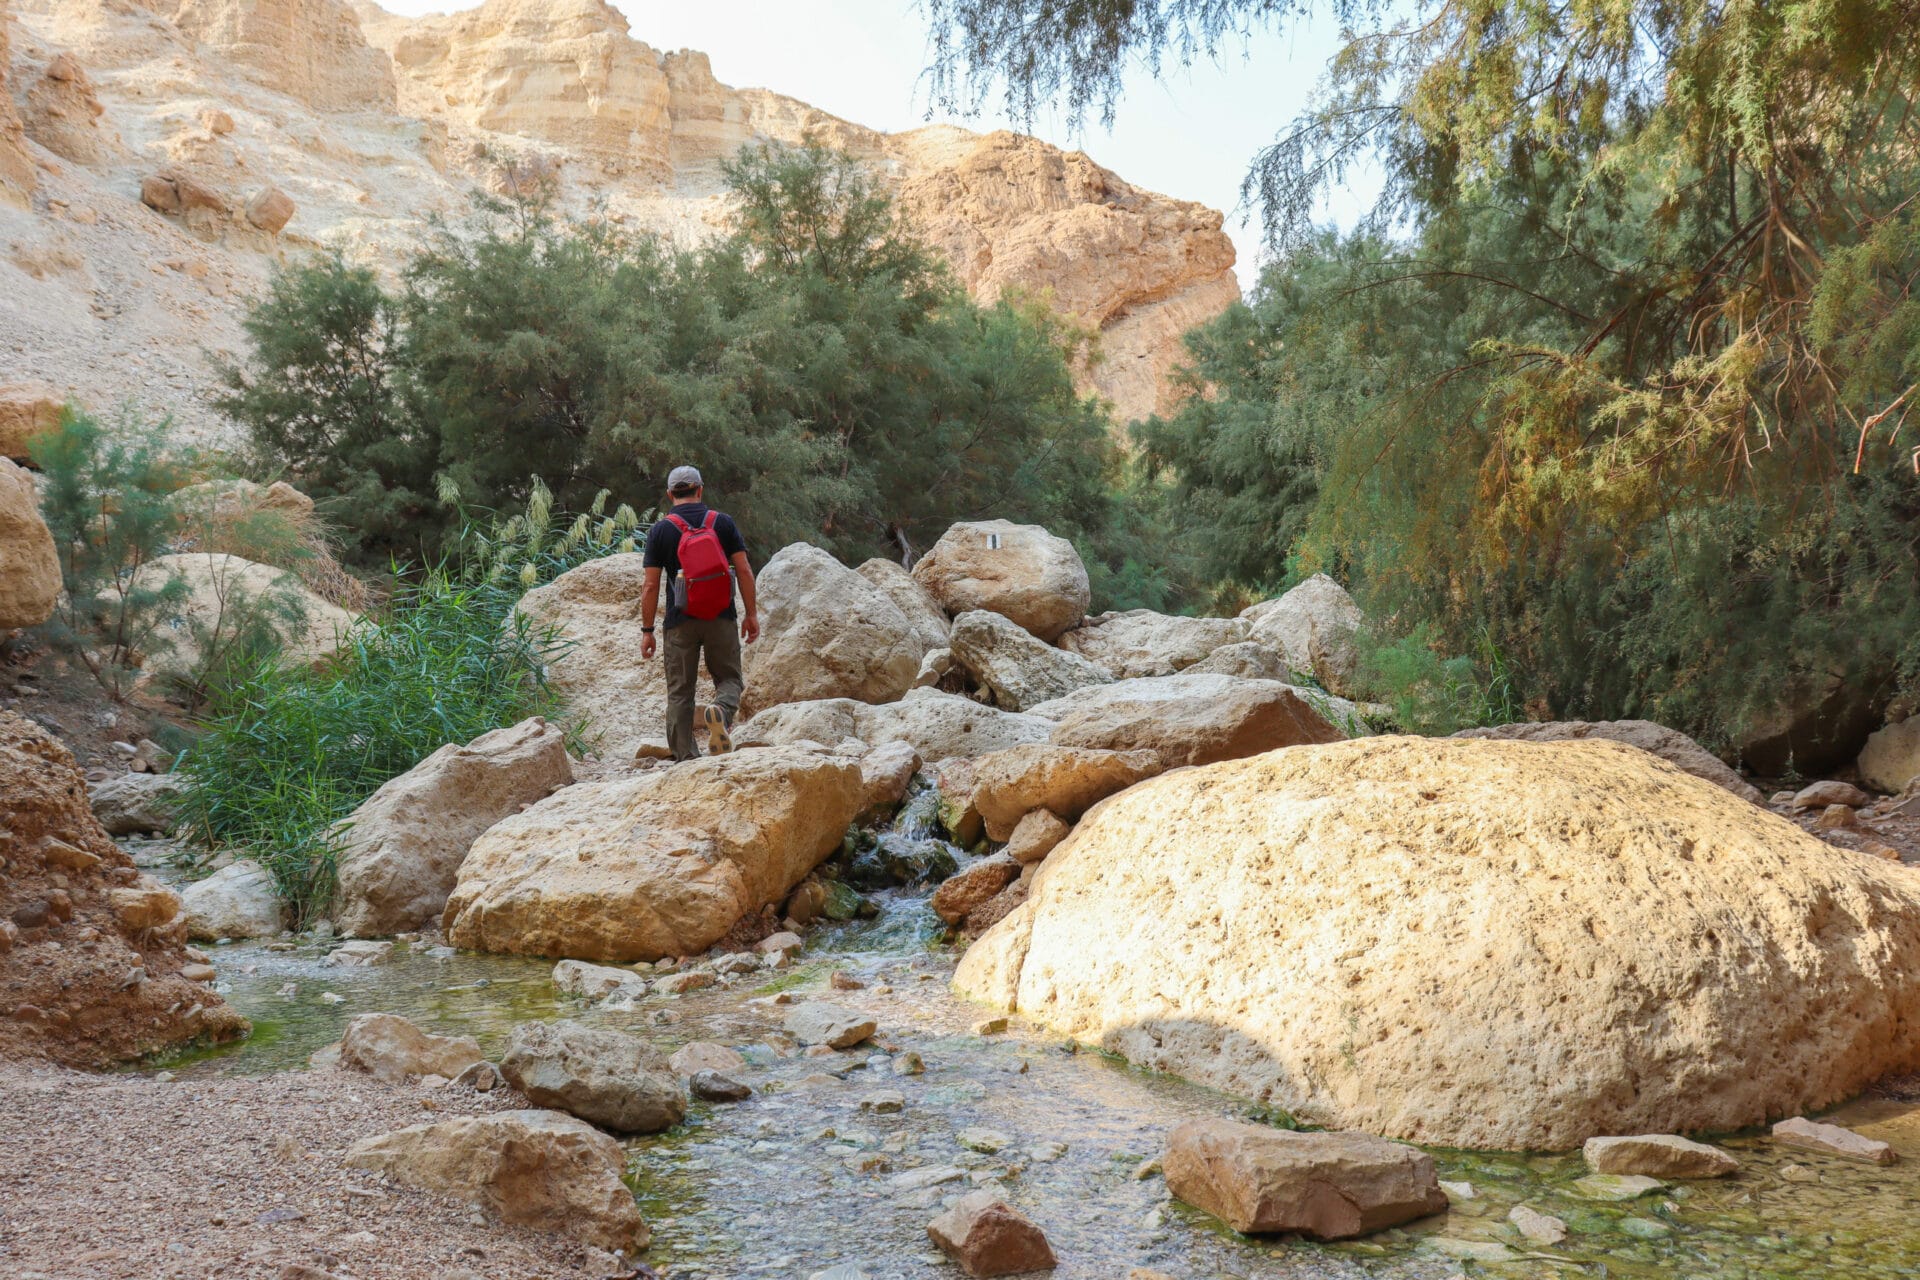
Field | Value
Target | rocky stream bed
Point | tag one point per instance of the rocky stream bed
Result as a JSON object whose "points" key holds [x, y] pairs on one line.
{"points": [[818, 1170]]}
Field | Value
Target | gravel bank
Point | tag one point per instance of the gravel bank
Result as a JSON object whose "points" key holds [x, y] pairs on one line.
{"points": [[127, 1176]]}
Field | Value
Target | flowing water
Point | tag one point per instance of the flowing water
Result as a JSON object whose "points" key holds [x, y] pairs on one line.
{"points": [[802, 1178]]}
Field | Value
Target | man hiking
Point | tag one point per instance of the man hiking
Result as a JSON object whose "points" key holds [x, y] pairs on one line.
{"points": [[702, 555]]}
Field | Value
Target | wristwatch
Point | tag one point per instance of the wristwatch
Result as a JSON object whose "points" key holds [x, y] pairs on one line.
{"points": [[648, 630]]}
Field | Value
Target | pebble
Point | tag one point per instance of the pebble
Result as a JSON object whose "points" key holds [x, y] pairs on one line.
{"points": [[711, 1086], [985, 1141], [989, 1026], [909, 1064], [922, 1179], [1833, 1140], [1047, 1152], [1539, 1228], [841, 980], [1615, 1186], [886, 1102], [1457, 1190]]}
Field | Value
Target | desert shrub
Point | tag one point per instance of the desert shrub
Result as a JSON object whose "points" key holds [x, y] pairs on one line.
{"points": [[822, 367], [286, 754], [104, 495]]}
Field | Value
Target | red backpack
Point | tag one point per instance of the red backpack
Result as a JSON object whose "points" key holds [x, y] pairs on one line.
{"points": [[706, 584]]}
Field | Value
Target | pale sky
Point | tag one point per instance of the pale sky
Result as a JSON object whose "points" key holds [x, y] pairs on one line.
{"points": [[1189, 135]]}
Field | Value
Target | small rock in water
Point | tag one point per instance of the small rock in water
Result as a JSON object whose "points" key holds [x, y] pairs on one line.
{"points": [[909, 1064], [845, 1271], [362, 954], [989, 1026], [711, 1086], [1616, 1186], [841, 980], [1832, 1139], [333, 997], [1458, 1190], [1469, 1250], [986, 1141], [1047, 1152], [817, 1022], [886, 1102], [681, 983], [987, 1236], [704, 1055], [1539, 1228], [1330, 1186], [1645, 1228], [1658, 1155], [1797, 1173]]}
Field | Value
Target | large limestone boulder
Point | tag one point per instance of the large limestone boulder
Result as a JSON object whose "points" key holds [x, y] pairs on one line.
{"points": [[1017, 570], [1891, 759], [1469, 943], [1067, 781], [29, 564], [401, 849], [1019, 671], [1329, 1186], [63, 114], [93, 961], [223, 595], [604, 1076], [1187, 719], [662, 863], [1671, 745], [1140, 642], [237, 901], [594, 611], [1314, 626], [826, 632], [135, 803], [928, 619], [939, 726], [536, 1169]]}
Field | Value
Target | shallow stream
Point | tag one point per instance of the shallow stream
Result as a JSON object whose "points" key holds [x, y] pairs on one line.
{"points": [[801, 1178]]}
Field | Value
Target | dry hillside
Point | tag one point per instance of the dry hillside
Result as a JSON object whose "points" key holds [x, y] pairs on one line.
{"points": [[156, 159]]}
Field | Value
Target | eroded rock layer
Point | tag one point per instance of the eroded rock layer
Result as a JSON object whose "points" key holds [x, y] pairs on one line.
{"points": [[172, 154]]}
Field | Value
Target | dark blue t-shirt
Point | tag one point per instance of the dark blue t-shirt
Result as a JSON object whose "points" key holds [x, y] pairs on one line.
{"points": [[663, 551]]}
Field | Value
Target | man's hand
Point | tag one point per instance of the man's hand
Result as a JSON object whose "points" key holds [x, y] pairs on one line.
{"points": [[646, 645], [750, 627]]}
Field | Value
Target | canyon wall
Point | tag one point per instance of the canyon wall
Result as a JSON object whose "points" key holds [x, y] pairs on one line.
{"points": [[159, 157]]}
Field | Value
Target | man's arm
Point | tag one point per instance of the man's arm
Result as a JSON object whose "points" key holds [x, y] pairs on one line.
{"points": [[749, 604], [649, 609]]}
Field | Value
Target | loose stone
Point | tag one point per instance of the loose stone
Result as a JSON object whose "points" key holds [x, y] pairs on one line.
{"points": [[1616, 1186], [818, 1023], [1832, 1139], [711, 1086], [886, 1102], [1539, 1228], [987, 1236], [1658, 1155], [1331, 1186]]}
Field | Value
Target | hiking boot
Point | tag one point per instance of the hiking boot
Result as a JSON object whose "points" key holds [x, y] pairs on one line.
{"points": [[719, 741]]}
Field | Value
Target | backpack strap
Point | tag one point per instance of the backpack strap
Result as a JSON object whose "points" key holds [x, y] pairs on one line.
{"points": [[713, 518], [678, 523]]}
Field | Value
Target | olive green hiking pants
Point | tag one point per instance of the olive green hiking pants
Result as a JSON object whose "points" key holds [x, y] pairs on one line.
{"points": [[719, 640]]}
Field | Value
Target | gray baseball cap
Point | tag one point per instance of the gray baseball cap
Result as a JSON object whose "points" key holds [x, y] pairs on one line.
{"points": [[684, 478]]}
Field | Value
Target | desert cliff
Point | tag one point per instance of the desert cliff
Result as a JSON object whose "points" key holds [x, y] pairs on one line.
{"points": [[156, 160]]}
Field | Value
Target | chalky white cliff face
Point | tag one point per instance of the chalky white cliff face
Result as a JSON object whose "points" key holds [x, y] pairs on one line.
{"points": [[259, 130]]}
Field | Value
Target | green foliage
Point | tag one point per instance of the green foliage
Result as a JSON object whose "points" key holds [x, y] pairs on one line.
{"points": [[104, 496], [1433, 695], [287, 753], [820, 366], [1617, 379]]}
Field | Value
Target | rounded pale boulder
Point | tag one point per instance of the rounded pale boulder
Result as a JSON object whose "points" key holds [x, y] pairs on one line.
{"points": [[1018, 570], [826, 632], [1469, 943], [662, 863]]}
